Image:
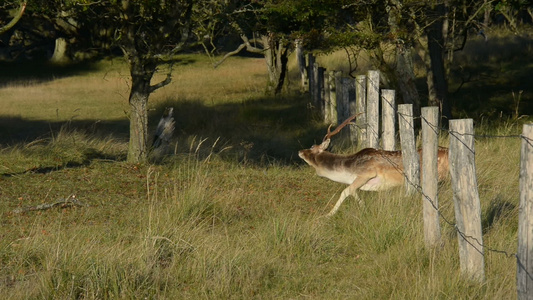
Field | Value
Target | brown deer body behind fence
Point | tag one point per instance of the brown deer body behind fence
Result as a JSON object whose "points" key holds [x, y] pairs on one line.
{"points": [[368, 170]]}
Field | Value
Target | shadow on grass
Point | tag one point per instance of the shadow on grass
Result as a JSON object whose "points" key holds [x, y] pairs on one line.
{"points": [[498, 210], [257, 131], [40, 71], [16, 130], [487, 77], [37, 71], [89, 155]]}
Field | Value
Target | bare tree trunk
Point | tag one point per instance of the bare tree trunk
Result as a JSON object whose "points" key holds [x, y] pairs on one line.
{"points": [[60, 52], [301, 65], [405, 80], [276, 57], [434, 58], [406, 77], [141, 74]]}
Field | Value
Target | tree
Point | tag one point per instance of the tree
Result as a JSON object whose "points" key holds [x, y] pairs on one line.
{"points": [[150, 33], [432, 29], [271, 27], [250, 20]]}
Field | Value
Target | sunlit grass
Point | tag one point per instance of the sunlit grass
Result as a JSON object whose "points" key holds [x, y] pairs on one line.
{"points": [[230, 212]]}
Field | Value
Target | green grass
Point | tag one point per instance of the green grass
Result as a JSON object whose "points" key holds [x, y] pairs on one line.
{"points": [[231, 212]]}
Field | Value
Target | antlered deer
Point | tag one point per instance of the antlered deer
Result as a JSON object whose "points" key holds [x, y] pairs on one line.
{"points": [[368, 170]]}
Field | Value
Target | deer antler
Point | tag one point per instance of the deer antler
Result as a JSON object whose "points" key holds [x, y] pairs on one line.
{"points": [[341, 126]]}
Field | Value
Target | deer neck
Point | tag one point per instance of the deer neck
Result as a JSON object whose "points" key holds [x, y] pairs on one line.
{"points": [[333, 166]]}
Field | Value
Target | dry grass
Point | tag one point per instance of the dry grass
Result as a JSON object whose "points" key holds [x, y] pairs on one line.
{"points": [[235, 216]]}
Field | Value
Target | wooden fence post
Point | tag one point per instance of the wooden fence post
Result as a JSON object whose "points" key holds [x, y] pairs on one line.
{"points": [[301, 64], [360, 108], [327, 100], [350, 84], [316, 88], [429, 180], [345, 92], [333, 95], [320, 96], [310, 75], [372, 109], [410, 158], [466, 199], [524, 270], [388, 115]]}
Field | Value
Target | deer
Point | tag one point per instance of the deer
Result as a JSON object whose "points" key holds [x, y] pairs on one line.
{"points": [[367, 170]]}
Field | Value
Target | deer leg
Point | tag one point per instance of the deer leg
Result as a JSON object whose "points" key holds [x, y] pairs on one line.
{"points": [[350, 190]]}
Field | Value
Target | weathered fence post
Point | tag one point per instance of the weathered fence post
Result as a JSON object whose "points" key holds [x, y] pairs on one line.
{"points": [[345, 95], [316, 88], [333, 95], [310, 75], [301, 65], [524, 270], [320, 97], [360, 108], [327, 100], [372, 109], [350, 83], [429, 180], [410, 158], [388, 115], [466, 199]]}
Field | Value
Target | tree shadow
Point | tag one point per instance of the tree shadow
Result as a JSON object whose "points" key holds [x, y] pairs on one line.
{"points": [[40, 71], [257, 131], [498, 210], [88, 156], [17, 130], [487, 77]]}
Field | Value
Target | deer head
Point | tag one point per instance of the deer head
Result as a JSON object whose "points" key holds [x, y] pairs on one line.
{"points": [[308, 154]]}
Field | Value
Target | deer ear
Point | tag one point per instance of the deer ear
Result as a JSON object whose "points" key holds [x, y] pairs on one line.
{"points": [[324, 145]]}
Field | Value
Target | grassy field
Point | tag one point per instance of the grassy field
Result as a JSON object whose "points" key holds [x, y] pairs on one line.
{"points": [[232, 213]]}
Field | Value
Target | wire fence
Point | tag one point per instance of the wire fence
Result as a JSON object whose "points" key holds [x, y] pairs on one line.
{"points": [[441, 215], [372, 129], [480, 247]]}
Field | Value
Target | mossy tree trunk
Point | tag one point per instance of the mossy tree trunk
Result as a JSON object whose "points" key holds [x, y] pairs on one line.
{"points": [[437, 80], [60, 51], [141, 75], [143, 63], [276, 56]]}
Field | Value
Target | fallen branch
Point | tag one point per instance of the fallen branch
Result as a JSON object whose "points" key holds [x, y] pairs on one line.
{"points": [[69, 201]]}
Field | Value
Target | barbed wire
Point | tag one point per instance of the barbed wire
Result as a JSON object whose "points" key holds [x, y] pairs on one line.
{"points": [[479, 246]]}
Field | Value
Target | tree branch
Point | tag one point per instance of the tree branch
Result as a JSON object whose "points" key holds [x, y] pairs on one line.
{"points": [[246, 44], [15, 19], [161, 84], [218, 63], [69, 201]]}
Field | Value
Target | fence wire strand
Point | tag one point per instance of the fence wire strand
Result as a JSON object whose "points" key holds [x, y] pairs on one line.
{"points": [[474, 242]]}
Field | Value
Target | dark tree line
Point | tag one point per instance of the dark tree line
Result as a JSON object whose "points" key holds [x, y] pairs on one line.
{"points": [[150, 33]]}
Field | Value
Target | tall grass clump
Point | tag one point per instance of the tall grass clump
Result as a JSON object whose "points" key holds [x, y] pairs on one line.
{"points": [[228, 210]]}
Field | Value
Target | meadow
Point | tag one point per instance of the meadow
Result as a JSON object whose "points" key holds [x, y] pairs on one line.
{"points": [[230, 212]]}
